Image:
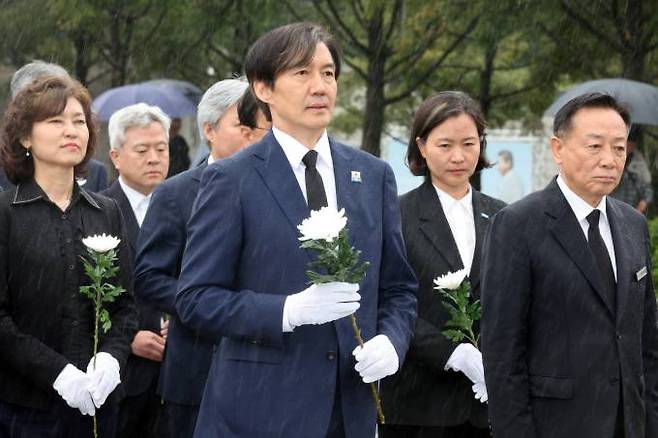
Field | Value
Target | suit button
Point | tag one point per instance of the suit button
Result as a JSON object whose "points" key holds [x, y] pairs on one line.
{"points": [[71, 267], [614, 380], [619, 336], [68, 240], [74, 323], [256, 342], [331, 355], [64, 217]]}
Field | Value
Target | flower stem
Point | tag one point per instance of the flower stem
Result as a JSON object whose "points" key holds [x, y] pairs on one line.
{"points": [[373, 386], [97, 304]]}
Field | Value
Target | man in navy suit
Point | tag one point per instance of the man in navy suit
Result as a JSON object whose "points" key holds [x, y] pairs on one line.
{"points": [[569, 335], [287, 365], [225, 117], [139, 149]]}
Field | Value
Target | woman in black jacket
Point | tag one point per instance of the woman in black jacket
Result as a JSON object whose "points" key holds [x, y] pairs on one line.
{"points": [[47, 384], [440, 390]]}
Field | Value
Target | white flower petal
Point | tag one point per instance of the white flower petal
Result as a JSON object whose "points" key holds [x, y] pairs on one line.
{"points": [[101, 242], [450, 280], [324, 224]]}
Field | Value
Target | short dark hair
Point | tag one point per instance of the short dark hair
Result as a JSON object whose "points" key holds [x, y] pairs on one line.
{"points": [[436, 110], [507, 156], [284, 48], [564, 117], [248, 109], [46, 97]]}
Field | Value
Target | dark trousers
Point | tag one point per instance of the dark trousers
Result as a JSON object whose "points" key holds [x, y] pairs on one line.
{"points": [[403, 431], [61, 421], [143, 416], [336, 425], [182, 419]]}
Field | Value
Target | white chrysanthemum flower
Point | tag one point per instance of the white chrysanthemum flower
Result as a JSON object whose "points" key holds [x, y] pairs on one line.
{"points": [[101, 243], [323, 224], [450, 280]]}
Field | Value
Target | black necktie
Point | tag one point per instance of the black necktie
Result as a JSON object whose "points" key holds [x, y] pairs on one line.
{"points": [[315, 194], [601, 255]]}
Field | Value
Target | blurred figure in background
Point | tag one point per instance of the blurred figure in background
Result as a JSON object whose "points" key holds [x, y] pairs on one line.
{"points": [[511, 186], [179, 159], [635, 186]]}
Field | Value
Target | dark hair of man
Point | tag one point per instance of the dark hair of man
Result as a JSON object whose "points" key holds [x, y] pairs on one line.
{"points": [[42, 99], [436, 110], [285, 48], [564, 117], [634, 133], [248, 110], [507, 156]]}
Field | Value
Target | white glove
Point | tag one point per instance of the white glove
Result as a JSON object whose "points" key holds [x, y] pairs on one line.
{"points": [[480, 390], [377, 359], [73, 386], [320, 303], [468, 359], [104, 378]]}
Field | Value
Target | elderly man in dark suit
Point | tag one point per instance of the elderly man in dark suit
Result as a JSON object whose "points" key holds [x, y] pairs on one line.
{"points": [[139, 145], [569, 335], [162, 241], [287, 365]]}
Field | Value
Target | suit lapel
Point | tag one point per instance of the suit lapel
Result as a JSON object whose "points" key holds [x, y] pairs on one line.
{"points": [[128, 215], [568, 232], [347, 191], [623, 242], [434, 225], [481, 219], [273, 166]]}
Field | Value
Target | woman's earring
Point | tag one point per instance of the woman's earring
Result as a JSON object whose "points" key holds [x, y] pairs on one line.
{"points": [[27, 153]]}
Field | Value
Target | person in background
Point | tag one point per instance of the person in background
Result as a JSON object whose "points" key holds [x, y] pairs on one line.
{"points": [[179, 159], [440, 390], [139, 142], [162, 241], [94, 178], [635, 186], [48, 383], [511, 186]]}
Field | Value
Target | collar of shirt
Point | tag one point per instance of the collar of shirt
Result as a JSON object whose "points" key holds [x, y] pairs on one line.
{"points": [[295, 151], [138, 201], [448, 202], [579, 206], [210, 160]]}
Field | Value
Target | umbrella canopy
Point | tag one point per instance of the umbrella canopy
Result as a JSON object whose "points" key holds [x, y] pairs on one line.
{"points": [[190, 90], [170, 98], [640, 98]]}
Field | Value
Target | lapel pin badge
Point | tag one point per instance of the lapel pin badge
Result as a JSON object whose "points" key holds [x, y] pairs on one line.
{"points": [[356, 176], [484, 215], [639, 275]]}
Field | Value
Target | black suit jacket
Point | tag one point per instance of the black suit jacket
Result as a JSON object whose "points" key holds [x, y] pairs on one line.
{"points": [[139, 373], [161, 244], [558, 356], [423, 393]]}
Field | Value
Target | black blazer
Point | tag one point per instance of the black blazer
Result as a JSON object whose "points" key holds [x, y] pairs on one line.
{"points": [[139, 373], [423, 393], [162, 240], [45, 322], [558, 356]]}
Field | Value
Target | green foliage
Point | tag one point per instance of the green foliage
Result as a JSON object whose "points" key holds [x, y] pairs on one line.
{"points": [[464, 312], [338, 258], [100, 267]]}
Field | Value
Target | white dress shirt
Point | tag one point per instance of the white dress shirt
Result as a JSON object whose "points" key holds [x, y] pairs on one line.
{"points": [[582, 209], [459, 213], [295, 151], [138, 201]]}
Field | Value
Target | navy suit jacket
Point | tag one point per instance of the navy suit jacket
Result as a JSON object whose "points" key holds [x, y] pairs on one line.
{"points": [[139, 372], [559, 356], [241, 262], [160, 252]]}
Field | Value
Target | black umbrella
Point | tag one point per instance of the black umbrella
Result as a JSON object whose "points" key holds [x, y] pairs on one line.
{"points": [[640, 98]]}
